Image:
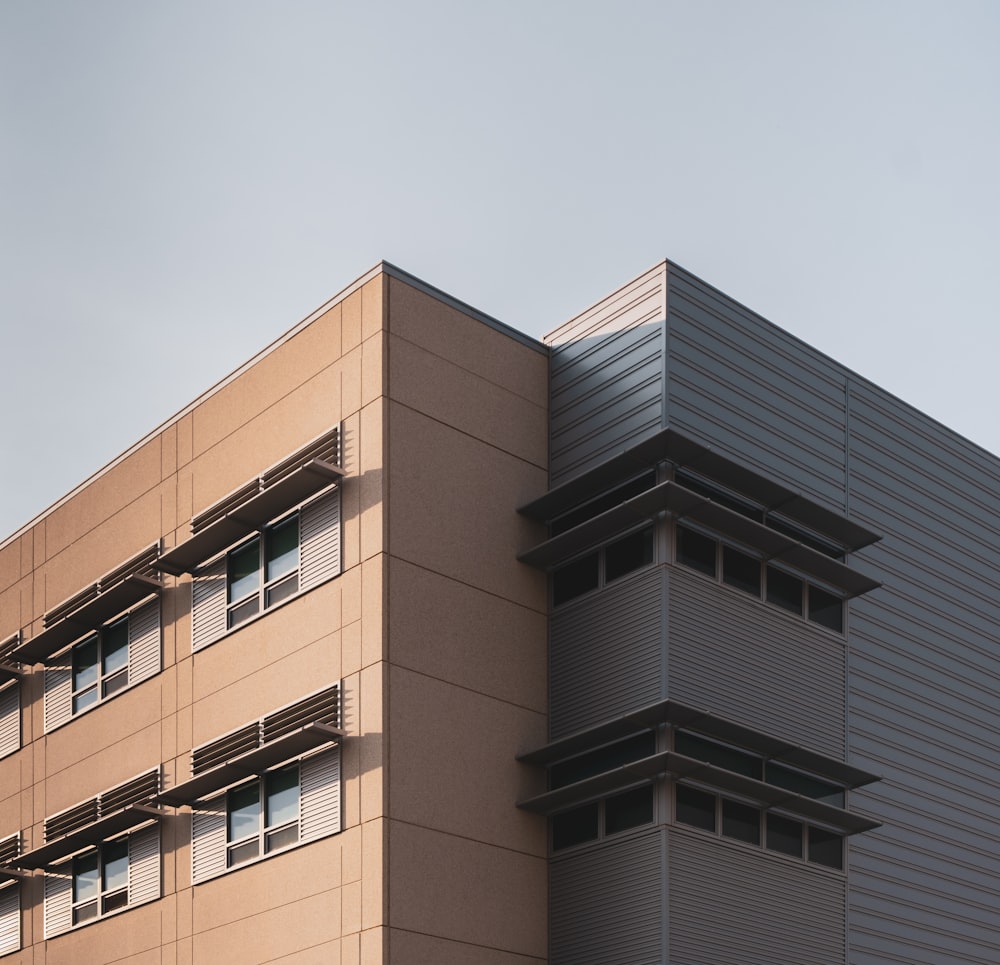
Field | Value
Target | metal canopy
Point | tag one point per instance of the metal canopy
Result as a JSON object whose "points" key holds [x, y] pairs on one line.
{"points": [[107, 827], [250, 515], [87, 617], [251, 763]]}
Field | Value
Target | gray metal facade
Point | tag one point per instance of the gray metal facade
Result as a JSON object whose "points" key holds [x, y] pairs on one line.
{"points": [[910, 691]]}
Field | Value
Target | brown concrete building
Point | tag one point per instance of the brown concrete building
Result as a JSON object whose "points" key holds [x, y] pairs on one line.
{"points": [[266, 674]]}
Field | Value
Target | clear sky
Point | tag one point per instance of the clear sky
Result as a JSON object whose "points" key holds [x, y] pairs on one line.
{"points": [[182, 181]]}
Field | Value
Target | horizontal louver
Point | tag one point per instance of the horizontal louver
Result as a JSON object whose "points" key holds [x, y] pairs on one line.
{"points": [[225, 748], [10, 848], [10, 719], [136, 791]]}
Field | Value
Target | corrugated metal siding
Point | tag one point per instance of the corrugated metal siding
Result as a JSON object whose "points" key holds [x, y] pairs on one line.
{"points": [[754, 664], [606, 905], [923, 685], [319, 803], [753, 391], [733, 906], [58, 900], [319, 528], [208, 605], [208, 839], [144, 866], [10, 719], [58, 697], [605, 652], [606, 377], [10, 919], [144, 642]]}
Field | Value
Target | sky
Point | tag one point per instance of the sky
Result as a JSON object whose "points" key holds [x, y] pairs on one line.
{"points": [[181, 182]]}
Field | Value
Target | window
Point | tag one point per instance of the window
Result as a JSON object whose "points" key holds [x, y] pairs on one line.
{"points": [[603, 566], [253, 830], [115, 875], [600, 819], [117, 656], [264, 571]]}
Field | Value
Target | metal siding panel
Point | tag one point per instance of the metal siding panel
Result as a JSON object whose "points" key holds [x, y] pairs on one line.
{"points": [[319, 527], [10, 719], [741, 384], [604, 653], [606, 904], [208, 605], [144, 642], [58, 900], [58, 697], [144, 866], [10, 920], [320, 798], [730, 905], [208, 839], [752, 663]]}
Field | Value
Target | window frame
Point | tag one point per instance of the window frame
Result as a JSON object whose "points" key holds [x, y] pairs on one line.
{"points": [[265, 829], [598, 552], [119, 674], [286, 583], [104, 891], [602, 818]]}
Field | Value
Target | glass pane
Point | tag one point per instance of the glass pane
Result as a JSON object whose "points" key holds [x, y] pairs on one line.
{"points": [[118, 682], [86, 879], [603, 759], [696, 808], [696, 551], [574, 579], [244, 811], [826, 848], [85, 664], [282, 796], [784, 590], [282, 837], [741, 570], [84, 699], [115, 860], [244, 852], [283, 590], [740, 821], [243, 611], [282, 550], [826, 609], [244, 570], [803, 784], [85, 912], [114, 647], [627, 554], [739, 762], [784, 835], [628, 810], [574, 827], [112, 902]]}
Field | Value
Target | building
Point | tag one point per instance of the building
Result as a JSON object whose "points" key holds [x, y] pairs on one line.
{"points": [[417, 641]]}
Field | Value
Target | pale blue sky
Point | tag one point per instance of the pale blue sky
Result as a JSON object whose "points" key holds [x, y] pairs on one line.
{"points": [[182, 181]]}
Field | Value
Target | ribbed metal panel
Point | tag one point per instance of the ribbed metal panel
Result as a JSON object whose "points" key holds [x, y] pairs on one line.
{"points": [[208, 839], [761, 396], [10, 719], [144, 642], [58, 900], [319, 802], [10, 919], [756, 665], [58, 697], [606, 377], [605, 653], [208, 605], [144, 866], [606, 905], [319, 552], [731, 905]]}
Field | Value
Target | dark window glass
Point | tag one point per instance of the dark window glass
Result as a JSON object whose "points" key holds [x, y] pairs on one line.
{"points": [[603, 759], [574, 579], [628, 810], [603, 503], [114, 874], [85, 674], [784, 590], [281, 554], [826, 609], [574, 827], [784, 835], [114, 655], [741, 570], [790, 780], [736, 761], [244, 570], [826, 848], [627, 554], [695, 550], [740, 821], [719, 495], [695, 807]]}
